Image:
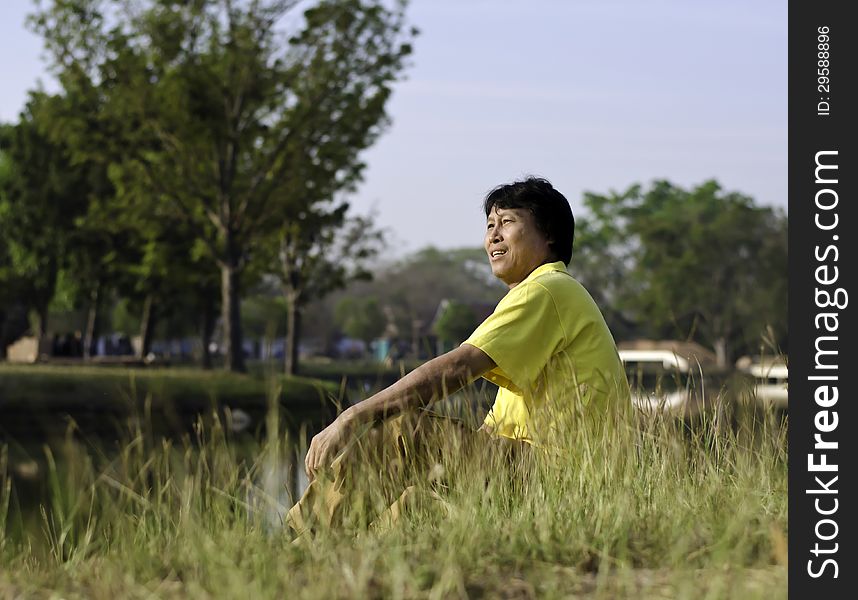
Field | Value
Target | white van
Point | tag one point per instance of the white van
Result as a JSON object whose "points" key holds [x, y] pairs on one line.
{"points": [[666, 376], [771, 379]]}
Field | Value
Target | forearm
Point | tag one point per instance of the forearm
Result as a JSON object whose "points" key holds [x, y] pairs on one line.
{"points": [[435, 379]]}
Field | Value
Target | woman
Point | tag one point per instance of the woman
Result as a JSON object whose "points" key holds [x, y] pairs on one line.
{"points": [[546, 345]]}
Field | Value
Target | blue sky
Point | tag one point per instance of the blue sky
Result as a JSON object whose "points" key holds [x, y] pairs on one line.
{"points": [[593, 95]]}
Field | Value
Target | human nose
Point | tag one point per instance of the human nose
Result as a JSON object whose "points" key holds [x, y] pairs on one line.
{"points": [[494, 235]]}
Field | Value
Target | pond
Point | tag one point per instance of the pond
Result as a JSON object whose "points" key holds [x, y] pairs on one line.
{"points": [[48, 456]]}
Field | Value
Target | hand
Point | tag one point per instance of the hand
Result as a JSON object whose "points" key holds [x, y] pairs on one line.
{"points": [[325, 445]]}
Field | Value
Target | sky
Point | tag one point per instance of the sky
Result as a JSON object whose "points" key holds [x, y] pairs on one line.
{"points": [[593, 95]]}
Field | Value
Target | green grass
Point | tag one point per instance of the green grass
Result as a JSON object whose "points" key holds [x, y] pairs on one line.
{"points": [[361, 369], [644, 510], [121, 391]]}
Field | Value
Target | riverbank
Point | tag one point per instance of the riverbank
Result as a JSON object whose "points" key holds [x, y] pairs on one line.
{"points": [[650, 510], [38, 400]]}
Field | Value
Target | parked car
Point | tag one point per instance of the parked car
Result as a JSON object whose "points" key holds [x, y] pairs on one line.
{"points": [[771, 379], [670, 376]]}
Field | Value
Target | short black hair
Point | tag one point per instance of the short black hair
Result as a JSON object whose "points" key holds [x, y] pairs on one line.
{"points": [[549, 207]]}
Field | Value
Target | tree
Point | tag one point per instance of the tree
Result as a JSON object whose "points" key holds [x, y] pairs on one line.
{"points": [[223, 123], [27, 211], [44, 196], [64, 214], [697, 263], [361, 318], [412, 290], [456, 323], [12, 313], [318, 252], [603, 256]]}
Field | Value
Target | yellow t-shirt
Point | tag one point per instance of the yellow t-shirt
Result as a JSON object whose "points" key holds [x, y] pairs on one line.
{"points": [[551, 345]]}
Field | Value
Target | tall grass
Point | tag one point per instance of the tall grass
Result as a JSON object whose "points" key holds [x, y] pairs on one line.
{"points": [[643, 508]]}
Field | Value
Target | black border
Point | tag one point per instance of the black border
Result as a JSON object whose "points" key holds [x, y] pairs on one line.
{"points": [[810, 133]]}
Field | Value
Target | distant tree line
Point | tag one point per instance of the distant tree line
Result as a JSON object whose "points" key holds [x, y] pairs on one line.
{"points": [[697, 264], [662, 262], [196, 157], [195, 149]]}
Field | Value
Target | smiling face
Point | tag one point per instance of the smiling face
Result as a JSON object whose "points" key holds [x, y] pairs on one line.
{"points": [[515, 244]]}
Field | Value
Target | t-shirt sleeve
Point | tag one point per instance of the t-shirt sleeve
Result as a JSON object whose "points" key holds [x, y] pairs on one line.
{"points": [[521, 335]]}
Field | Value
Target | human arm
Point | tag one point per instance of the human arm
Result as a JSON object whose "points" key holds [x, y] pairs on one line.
{"points": [[438, 377]]}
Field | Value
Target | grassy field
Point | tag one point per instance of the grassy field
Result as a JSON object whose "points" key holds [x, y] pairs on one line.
{"points": [[650, 509]]}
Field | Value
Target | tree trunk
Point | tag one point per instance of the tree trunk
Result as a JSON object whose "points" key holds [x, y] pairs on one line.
{"points": [[721, 352], [39, 320], [92, 322], [147, 326], [3, 344], [206, 331], [232, 337], [293, 334], [43, 298], [415, 336]]}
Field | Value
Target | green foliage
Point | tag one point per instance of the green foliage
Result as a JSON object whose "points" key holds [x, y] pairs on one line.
{"points": [[43, 197], [697, 264], [264, 316], [415, 287], [456, 323], [123, 319], [321, 251], [206, 114], [361, 318], [8, 275], [409, 292]]}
